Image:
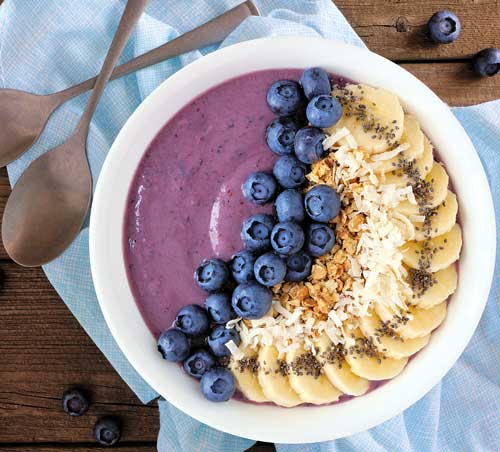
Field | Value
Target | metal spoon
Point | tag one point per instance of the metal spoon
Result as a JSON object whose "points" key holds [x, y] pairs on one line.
{"points": [[23, 115], [48, 204]]}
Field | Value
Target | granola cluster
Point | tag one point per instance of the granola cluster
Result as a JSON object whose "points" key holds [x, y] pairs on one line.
{"points": [[331, 274]]}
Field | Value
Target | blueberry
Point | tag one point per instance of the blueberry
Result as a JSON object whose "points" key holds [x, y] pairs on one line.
{"points": [[218, 306], [309, 144], [75, 402], [198, 363], [280, 135], [290, 172], [289, 206], [218, 384], [212, 275], [107, 431], [174, 345], [323, 111], [320, 239], [322, 203], [256, 232], [192, 320], [218, 338], [443, 27], [269, 269], [298, 267], [241, 266], [487, 62], [287, 238], [284, 97], [251, 300], [259, 188], [315, 81]]}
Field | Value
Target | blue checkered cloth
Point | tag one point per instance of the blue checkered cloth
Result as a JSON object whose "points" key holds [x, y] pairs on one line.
{"points": [[50, 45]]}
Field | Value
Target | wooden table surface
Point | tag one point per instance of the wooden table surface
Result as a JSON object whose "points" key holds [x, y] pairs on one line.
{"points": [[43, 349]]}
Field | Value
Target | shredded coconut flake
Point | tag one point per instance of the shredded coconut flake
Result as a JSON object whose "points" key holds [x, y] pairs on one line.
{"points": [[390, 154], [329, 141], [235, 351]]}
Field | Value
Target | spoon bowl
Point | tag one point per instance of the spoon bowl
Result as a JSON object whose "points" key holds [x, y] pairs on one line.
{"points": [[24, 115], [22, 118], [46, 210], [49, 203]]}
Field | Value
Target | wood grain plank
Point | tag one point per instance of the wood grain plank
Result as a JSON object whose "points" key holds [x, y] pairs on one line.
{"points": [[137, 447], [396, 28], [44, 351], [456, 83]]}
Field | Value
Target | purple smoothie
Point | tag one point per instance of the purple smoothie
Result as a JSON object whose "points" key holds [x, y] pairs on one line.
{"points": [[185, 202]]}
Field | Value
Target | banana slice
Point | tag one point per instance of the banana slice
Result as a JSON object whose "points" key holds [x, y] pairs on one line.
{"points": [[391, 346], [274, 383], [440, 220], [247, 381], [422, 165], [423, 321], [339, 372], [413, 135], [374, 367], [310, 388], [445, 283], [389, 315], [364, 109], [419, 322], [438, 180], [434, 254]]}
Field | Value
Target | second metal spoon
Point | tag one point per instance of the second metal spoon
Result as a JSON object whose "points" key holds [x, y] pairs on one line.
{"points": [[49, 202], [23, 115]]}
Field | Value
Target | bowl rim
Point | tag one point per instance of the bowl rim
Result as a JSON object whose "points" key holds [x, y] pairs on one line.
{"points": [[301, 424]]}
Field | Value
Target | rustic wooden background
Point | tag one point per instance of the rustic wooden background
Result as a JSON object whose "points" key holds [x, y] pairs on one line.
{"points": [[43, 350]]}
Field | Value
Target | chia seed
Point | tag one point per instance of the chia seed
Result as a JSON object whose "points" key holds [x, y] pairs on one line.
{"points": [[250, 364]]}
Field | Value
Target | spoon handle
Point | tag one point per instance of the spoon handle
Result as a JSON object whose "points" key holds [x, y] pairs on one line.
{"points": [[131, 15], [211, 32]]}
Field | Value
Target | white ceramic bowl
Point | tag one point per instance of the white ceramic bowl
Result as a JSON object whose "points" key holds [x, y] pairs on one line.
{"points": [[301, 424]]}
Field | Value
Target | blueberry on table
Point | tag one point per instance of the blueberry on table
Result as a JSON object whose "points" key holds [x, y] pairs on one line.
{"points": [[287, 238], [323, 111], [309, 144], [251, 300], [198, 363], [280, 135], [284, 97], [322, 203], [320, 239], [241, 266], [212, 275], [218, 384], [269, 269], [289, 206], [219, 337], [298, 267], [487, 62], [315, 81], [443, 27], [192, 320], [290, 172], [107, 431], [75, 402], [174, 345], [218, 306], [256, 232], [259, 188]]}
